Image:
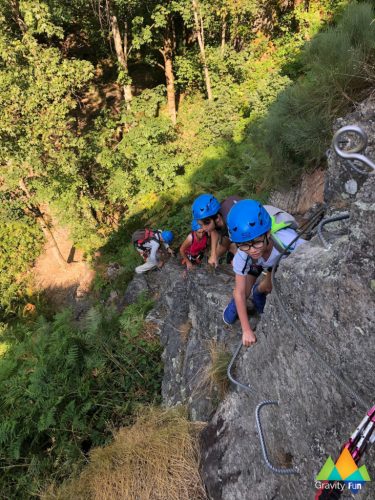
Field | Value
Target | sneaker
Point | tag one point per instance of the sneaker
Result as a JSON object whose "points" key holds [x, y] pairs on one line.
{"points": [[230, 313]]}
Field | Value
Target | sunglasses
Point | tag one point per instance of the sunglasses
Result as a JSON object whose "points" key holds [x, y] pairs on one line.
{"points": [[257, 244]]}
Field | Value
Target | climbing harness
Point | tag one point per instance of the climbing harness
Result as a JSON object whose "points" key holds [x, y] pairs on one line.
{"points": [[356, 445], [344, 215], [352, 154]]}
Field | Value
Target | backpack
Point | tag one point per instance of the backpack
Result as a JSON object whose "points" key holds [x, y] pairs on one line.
{"points": [[142, 236], [280, 220]]}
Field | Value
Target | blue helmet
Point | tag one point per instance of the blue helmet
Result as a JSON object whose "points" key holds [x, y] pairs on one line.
{"points": [[204, 206], [195, 225], [167, 236], [247, 220]]}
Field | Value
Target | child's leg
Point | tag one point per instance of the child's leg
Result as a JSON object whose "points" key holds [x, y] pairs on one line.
{"points": [[147, 266], [230, 312], [260, 291], [258, 298]]}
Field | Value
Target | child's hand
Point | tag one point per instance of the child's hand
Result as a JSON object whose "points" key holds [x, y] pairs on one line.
{"points": [[248, 338], [189, 266], [160, 264], [170, 251], [213, 261]]}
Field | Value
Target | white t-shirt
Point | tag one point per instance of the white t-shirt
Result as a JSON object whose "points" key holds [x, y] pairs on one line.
{"points": [[153, 246], [242, 261]]}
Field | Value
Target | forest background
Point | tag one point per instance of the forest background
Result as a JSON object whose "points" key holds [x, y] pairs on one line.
{"points": [[115, 115]]}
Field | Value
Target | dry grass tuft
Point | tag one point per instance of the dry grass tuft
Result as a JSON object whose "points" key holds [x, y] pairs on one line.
{"points": [[213, 378], [155, 459], [150, 331], [217, 371]]}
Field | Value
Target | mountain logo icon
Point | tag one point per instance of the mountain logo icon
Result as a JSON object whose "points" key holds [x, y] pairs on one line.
{"points": [[345, 470]]}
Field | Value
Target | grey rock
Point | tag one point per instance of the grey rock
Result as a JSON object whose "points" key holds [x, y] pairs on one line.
{"points": [[136, 287], [340, 175]]}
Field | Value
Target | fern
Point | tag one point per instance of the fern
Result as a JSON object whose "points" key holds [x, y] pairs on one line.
{"points": [[63, 388]]}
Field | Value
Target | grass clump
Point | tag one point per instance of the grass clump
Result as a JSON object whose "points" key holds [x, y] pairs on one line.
{"points": [[217, 370], [155, 459], [213, 377]]}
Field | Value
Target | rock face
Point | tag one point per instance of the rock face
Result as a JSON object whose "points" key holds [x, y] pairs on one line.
{"points": [[328, 295], [189, 315], [343, 182], [315, 354]]}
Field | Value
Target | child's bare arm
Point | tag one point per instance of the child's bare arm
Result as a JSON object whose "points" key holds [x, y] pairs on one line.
{"points": [[242, 286], [188, 241], [213, 260]]}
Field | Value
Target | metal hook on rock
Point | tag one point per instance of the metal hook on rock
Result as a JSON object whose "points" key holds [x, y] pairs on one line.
{"points": [[353, 153]]}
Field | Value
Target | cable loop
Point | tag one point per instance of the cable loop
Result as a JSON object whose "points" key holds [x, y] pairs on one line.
{"points": [[353, 153]]}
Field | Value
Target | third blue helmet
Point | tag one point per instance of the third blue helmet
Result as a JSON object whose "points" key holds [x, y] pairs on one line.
{"points": [[247, 220], [206, 205], [195, 225], [167, 236]]}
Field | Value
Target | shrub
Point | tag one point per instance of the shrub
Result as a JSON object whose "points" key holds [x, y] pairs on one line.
{"points": [[63, 388], [338, 67]]}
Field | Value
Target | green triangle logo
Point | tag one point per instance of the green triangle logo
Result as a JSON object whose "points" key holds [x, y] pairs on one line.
{"points": [[326, 470], [363, 471]]}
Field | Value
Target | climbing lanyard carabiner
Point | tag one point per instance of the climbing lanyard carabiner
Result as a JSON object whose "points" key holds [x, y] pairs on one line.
{"points": [[362, 436]]}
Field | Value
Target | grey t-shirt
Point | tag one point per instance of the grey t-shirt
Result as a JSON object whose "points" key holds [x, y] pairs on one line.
{"points": [[242, 262]]}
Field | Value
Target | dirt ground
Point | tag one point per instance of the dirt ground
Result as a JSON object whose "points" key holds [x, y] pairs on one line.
{"points": [[64, 285]]}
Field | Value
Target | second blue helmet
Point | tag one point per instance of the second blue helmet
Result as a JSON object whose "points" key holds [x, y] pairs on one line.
{"points": [[167, 236], [247, 220], [206, 205], [195, 225]]}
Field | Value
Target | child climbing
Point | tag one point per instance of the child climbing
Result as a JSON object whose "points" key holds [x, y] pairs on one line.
{"points": [[260, 239], [150, 245], [212, 216], [193, 248]]}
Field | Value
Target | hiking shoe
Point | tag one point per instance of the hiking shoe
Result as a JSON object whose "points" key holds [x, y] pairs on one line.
{"points": [[230, 313]]}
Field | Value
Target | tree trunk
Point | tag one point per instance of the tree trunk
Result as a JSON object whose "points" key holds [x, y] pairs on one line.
{"points": [[223, 34], [200, 36], [17, 15], [38, 214], [169, 76], [122, 56]]}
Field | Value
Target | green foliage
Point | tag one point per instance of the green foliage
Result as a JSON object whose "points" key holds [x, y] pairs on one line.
{"points": [[338, 69], [20, 243], [63, 388]]}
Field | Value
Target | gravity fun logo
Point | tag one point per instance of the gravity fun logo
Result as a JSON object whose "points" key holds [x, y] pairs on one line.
{"points": [[344, 473]]}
